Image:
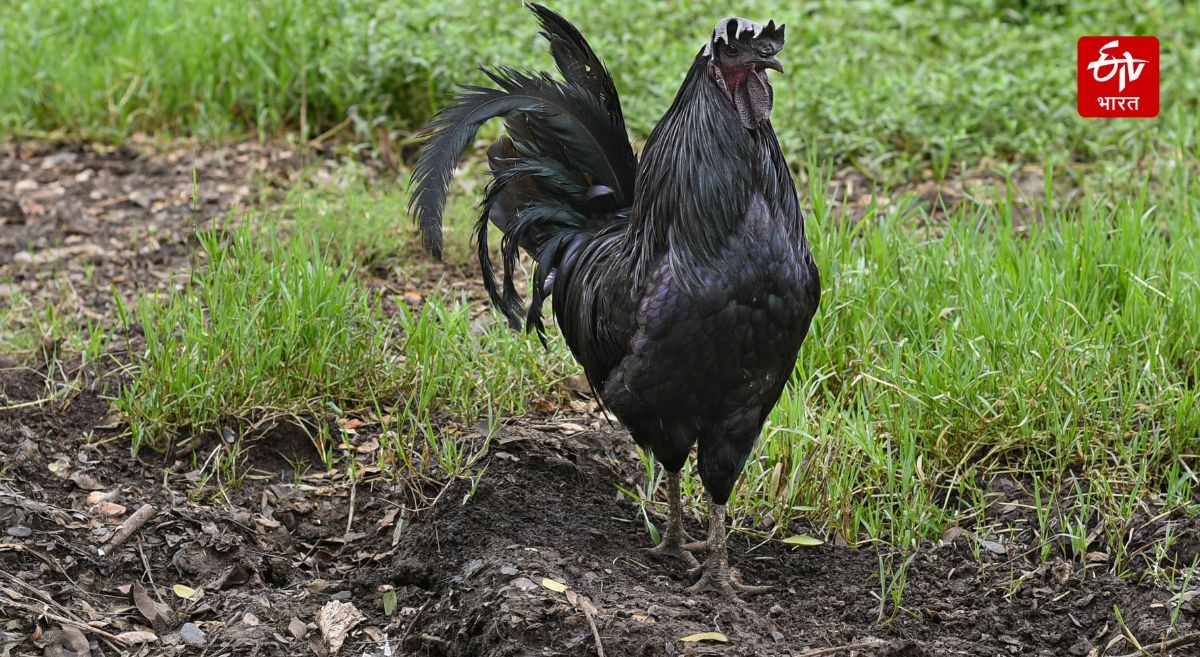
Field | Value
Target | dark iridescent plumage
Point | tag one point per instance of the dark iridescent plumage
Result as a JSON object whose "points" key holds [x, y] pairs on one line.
{"points": [[682, 284]]}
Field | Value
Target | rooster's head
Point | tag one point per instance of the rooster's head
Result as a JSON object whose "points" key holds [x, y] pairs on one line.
{"points": [[740, 52]]}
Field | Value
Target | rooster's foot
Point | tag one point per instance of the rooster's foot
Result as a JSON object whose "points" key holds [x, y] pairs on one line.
{"points": [[669, 547], [717, 577], [672, 544], [714, 574]]}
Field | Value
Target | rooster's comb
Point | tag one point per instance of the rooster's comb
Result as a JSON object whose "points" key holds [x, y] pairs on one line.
{"points": [[733, 27]]}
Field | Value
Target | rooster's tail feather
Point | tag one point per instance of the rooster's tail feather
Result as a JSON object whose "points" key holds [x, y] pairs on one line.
{"points": [[564, 172]]}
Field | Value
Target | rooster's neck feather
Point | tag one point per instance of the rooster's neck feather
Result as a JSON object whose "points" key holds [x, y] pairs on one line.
{"points": [[698, 172]]}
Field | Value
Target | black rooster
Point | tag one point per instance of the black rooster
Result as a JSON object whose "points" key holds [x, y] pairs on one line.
{"points": [[684, 284]]}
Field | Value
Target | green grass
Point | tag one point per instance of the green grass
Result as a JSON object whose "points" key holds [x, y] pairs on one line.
{"points": [[38, 330], [893, 88], [279, 326], [264, 326], [1063, 356], [112, 68], [368, 226], [51, 332]]}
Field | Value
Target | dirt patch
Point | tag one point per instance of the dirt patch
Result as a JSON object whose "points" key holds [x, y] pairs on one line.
{"points": [[931, 199], [78, 221]]}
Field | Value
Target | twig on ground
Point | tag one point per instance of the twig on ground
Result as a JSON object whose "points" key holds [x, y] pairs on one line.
{"points": [[129, 528], [851, 646], [65, 615], [50, 563], [595, 631], [413, 623], [583, 603], [434, 640], [46, 613], [28, 404], [350, 515], [37, 593], [1163, 646], [316, 141], [148, 569]]}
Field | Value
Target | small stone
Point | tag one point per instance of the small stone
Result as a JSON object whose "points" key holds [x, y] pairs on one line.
{"points": [[524, 583], [192, 635], [995, 547], [20, 531]]}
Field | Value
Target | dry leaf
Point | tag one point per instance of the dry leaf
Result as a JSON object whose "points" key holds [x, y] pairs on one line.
{"points": [[137, 637], [387, 519], [86, 481], [66, 641], [108, 509], [556, 586], [186, 592], [110, 421], [349, 424], [151, 609], [705, 636], [98, 496], [335, 621], [803, 540], [953, 533]]}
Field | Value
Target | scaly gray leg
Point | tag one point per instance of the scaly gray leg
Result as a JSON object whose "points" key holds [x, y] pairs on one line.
{"points": [[672, 541], [714, 573]]}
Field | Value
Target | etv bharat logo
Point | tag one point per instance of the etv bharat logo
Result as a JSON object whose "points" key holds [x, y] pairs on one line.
{"points": [[1118, 76]]}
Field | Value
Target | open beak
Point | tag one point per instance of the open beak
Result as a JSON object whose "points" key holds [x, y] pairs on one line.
{"points": [[770, 62]]}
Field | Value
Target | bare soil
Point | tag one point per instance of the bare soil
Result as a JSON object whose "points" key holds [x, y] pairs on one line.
{"points": [[541, 554]]}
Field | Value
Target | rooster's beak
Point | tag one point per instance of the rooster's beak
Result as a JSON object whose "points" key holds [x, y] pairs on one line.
{"points": [[771, 62]]}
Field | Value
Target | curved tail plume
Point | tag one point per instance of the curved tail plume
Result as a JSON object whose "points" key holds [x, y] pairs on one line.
{"points": [[565, 168]]}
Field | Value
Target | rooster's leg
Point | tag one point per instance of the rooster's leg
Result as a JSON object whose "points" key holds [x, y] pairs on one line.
{"points": [[672, 542], [714, 573]]}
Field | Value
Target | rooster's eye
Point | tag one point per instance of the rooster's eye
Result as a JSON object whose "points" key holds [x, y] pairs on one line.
{"points": [[731, 49]]}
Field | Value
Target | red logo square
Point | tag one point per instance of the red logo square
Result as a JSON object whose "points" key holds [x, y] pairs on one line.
{"points": [[1118, 76]]}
